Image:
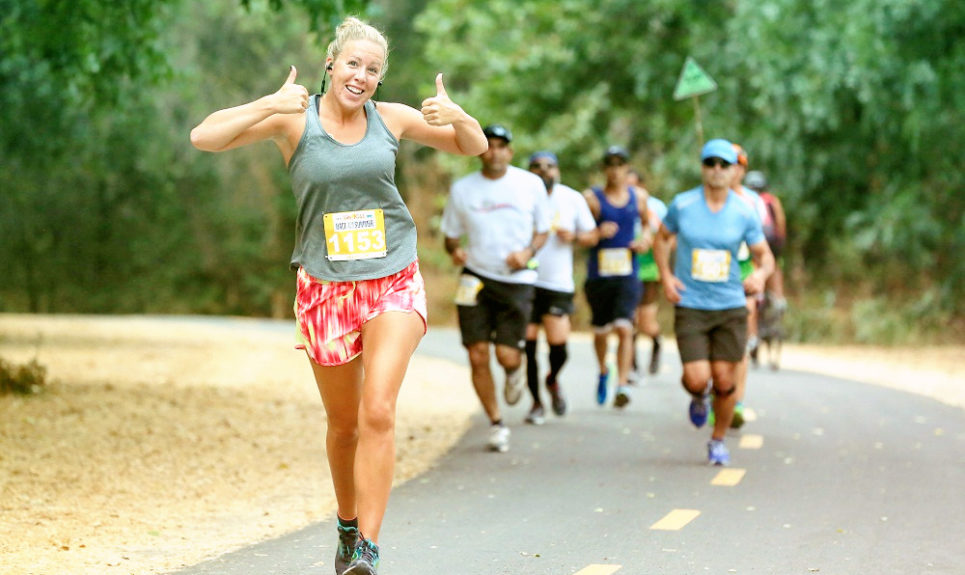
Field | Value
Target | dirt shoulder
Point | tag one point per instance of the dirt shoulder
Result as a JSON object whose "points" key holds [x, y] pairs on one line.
{"points": [[157, 447]]}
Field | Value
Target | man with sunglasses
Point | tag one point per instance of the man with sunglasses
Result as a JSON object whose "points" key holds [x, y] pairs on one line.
{"points": [[570, 222], [709, 223], [612, 288]]}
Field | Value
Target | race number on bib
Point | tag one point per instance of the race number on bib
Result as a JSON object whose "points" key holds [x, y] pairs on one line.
{"points": [[710, 265], [468, 290], [615, 262], [357, 235]]}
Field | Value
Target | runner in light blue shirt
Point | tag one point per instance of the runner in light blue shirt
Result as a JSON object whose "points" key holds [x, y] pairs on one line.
{"points": [[710, 319]]}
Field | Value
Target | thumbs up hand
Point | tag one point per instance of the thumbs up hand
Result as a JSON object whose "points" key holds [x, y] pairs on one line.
{"points": [[440, 110], [291, 98]]}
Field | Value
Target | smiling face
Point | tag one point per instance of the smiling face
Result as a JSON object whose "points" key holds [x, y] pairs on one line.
{"points": [[356, 72]]}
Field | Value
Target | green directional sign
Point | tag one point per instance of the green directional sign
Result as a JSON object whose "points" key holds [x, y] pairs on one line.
{"points": [[693, 81]]}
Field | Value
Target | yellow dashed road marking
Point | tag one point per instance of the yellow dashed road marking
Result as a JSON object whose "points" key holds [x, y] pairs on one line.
{"points": [[752, 441], [599, 570], [729, 477], [750, 414], [675, 520]]}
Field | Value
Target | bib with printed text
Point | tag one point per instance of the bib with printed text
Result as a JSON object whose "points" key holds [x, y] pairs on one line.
{"points": [[357, 235], [468, 290], [614, 262], [710, 265]]}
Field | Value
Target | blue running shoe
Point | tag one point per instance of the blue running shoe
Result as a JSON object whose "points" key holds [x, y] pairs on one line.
{"points": [[365, 560], [601, 388], [717, 453], [348, 537], [698, 410]]}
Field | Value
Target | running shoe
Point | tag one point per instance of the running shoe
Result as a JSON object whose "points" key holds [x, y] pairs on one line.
{"points": [[365, 560], [655, 356], [634, 378], [513, 389], [536, 415], [348, 537], [499, 438], [738, 420], [698, 410], [601, 388], [717, 452], [559, 402], [622, 398]]}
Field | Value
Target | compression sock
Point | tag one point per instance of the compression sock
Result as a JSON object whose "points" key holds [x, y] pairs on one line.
{"points": [[532, 368], [558, 357]]}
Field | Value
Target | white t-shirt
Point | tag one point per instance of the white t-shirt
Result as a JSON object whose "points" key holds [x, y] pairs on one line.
{"points": [[498, 217], [568, 211]]}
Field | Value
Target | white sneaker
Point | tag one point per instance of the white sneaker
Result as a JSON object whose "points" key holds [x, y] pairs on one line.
{"points": [[513, 390], [499, 438]]}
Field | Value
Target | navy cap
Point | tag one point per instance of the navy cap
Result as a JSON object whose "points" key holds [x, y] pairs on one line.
{"points": [[498, 131], [719, 148], [544, 155]]}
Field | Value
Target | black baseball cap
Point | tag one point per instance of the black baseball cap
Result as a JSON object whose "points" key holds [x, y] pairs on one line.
{"points": [[618, 151], [498, 131]]}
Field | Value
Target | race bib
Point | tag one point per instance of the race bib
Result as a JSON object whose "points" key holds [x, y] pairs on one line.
{"points": [[614, 262], [710, 265], [468, 290], [358, 235]]}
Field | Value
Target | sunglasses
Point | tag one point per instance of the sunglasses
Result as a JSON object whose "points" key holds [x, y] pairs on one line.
{"points": [[716, 162], [614, 163], [542, 166]]}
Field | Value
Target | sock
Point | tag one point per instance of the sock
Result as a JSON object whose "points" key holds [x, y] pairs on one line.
{"points": [[532, 369], [558, 356], [354, 523]]}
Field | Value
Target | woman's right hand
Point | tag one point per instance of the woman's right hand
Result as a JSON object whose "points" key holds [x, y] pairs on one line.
{"points": [[291, 98]]}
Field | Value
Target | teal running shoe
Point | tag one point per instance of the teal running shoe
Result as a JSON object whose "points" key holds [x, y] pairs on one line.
{"points": [[348, 537], [365, 560]]}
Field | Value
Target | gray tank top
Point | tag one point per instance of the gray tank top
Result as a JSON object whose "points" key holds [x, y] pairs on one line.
{"points": [[351, 223]]}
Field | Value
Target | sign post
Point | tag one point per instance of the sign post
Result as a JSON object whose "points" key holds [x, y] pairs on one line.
{"points": [[692, 83]]}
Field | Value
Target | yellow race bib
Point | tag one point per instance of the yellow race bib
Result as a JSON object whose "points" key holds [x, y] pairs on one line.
{"points": [[468, 290], [614, 262], [357, 235], [710, 265]]}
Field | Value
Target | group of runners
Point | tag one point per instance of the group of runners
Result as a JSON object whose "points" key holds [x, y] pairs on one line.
{"points": [[513, 236], [360, 304]]}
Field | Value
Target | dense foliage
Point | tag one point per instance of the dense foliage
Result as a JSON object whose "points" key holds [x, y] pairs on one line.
{"points": [[852, 109]]}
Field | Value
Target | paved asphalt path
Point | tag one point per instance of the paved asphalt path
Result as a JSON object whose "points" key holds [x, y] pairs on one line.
{"points": [[832, 477]]}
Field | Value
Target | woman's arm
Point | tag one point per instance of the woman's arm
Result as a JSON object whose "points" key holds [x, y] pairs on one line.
{"points": [[265, 118], [441, 124]]}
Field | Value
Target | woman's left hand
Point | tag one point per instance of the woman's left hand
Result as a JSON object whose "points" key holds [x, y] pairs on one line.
{"points": [[439, 110]]}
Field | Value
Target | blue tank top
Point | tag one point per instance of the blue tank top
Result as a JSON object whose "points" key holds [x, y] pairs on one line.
{"points": [[611, 257], [352, 223]]}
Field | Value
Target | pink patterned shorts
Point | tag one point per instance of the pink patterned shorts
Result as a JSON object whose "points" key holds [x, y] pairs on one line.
{"points": [[329, 315]]}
